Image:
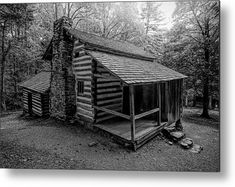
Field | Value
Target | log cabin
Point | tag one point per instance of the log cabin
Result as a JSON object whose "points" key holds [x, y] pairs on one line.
{"points": [[110, 85], [36, 94]]}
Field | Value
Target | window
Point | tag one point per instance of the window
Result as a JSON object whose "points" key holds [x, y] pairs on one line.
{"points": [[80, 88]]}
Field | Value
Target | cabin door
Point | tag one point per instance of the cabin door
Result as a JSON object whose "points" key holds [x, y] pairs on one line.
{"points": [[30, 103]]}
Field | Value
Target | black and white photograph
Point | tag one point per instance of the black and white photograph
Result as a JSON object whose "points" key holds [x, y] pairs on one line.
{"points": [[112, 85]]}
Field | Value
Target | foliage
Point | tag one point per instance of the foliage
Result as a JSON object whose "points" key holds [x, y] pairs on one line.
{"points": [[193, 46]]}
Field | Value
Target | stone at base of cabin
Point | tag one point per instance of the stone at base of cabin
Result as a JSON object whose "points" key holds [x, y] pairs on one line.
{"points": [[170, 128], [166, 131], [196, 148], [186, 143], [92, 144], [178, 125], [177, 135]]}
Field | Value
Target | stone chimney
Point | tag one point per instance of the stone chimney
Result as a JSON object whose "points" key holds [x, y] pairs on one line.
{"points": [[62, 92]]}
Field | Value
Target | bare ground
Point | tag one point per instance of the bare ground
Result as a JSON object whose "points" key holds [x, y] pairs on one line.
{"points": [[50, 144]]}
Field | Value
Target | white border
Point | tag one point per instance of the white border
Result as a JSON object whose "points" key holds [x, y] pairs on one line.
{"points": [[65, 178]]}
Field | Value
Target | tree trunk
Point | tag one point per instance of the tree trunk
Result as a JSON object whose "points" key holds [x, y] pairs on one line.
{"points": [[194, 101], [210, 102], [186, 99], [2, 68], [205, 112]]}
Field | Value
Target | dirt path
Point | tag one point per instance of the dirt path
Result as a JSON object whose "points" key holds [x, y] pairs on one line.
{"points": [[46, 143]]}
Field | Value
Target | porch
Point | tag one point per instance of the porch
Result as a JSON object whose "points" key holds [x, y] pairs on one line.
{"points": [[130, 126], [121, 130]]}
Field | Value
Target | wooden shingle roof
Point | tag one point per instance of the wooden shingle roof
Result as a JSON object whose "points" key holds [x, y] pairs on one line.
{"points": [[39, 83], [110, 45], [133, 71]]}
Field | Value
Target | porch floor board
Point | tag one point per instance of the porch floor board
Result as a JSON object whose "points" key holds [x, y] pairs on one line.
{"points": [[122, 128]]}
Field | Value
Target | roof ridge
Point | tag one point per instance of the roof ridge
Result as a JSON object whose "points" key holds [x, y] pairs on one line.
{"points": [[118, 46], [120, 41]]}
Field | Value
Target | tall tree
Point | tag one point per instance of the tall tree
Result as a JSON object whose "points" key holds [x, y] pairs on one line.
{"points": [[200, 22], [152, 18], [14, 19]]}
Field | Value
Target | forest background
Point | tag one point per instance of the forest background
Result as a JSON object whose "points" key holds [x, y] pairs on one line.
{"points": [[190, 45]]}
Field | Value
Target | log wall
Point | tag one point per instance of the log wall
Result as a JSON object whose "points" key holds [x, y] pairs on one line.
{"points": [[40, 103], [109, 93], [82, 68], [98, 91]]}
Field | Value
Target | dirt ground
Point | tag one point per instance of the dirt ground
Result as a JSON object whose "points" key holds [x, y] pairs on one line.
{"points": [[46, 143]]}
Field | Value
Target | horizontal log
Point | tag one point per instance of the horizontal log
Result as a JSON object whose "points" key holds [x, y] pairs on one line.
{"points": [[38, 113], [85, 113], [87, 83], [36, 98], [82, 68], [85, 108], [82, 58], [108, 84], [37, 110], [36, 95], [109, 90], [36, 102], [103, 102], [112, 112], [87, 89], [37, 107], [89, 111], [82, 73], [106, 77], [102, 96], [86, 105], [78, 47], [85, 64], [86, 95], [80, 98], [83, 78], [146, 113]]}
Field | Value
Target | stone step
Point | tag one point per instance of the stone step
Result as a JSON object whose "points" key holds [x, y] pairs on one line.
{"points": [[177, 135], [186, 143]]}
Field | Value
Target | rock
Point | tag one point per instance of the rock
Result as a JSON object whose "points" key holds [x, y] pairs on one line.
{"points": [[196, 148], [177, 135], [186, 143], [178, 125], [170, 128], [92, 144], [170, 142]]}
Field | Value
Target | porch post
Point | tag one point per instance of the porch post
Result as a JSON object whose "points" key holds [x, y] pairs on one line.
{"points": [[132, 112], [159, 103]]}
